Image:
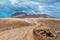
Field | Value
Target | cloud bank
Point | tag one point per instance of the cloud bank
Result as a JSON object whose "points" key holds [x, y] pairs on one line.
{"points": [[51, 7]]}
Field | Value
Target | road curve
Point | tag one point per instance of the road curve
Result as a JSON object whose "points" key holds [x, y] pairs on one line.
{"points": [[23, 33]]}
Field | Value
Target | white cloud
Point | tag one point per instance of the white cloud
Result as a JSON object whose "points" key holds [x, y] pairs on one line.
{"points": [[33, 6], [13, 2]]}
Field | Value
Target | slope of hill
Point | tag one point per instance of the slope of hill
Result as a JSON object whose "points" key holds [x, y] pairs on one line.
{"points": [[29, 29], [25, 15]]}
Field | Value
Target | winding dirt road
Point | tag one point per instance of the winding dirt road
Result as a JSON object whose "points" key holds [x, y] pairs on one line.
{"points": [[26, 32], [23, 33]]}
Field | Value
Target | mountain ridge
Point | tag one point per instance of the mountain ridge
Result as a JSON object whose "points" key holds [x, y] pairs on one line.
{"points": [[26, 15]]}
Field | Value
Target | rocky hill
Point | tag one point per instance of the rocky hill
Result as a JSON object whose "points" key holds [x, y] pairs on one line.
{"points": [[26, 15]]}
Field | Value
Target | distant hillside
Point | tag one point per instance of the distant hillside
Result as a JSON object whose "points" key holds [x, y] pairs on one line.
{"points": [[26, 15]]}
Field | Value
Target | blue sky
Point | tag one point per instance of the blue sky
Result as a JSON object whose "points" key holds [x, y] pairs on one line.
{"points": [[51, 7]]}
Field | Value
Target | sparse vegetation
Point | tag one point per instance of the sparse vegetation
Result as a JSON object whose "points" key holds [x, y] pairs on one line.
{"points": [[36, 28]]}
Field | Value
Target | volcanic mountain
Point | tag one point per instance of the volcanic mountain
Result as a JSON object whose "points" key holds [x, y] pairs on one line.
{"points": [[26, 15]]}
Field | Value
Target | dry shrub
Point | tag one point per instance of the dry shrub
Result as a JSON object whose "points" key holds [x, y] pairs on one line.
{"points": [[44, 33]]}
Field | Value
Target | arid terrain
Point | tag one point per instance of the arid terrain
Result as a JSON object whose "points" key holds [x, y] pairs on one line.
{"points": [[29, 29]]}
